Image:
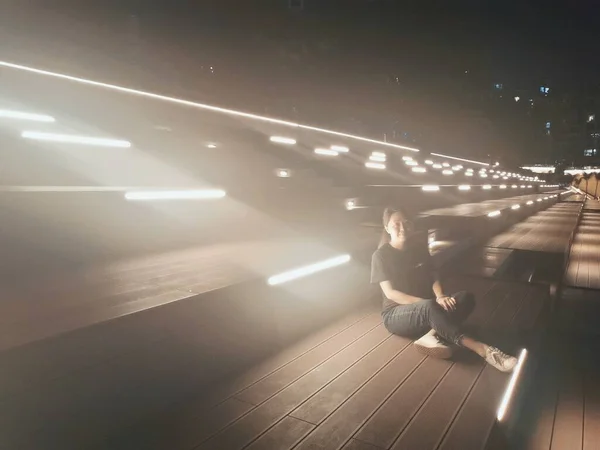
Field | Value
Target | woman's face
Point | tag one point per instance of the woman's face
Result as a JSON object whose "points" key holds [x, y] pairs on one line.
{"points": [[395, 227]]}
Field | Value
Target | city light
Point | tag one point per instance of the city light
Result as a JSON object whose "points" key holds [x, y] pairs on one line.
{"points": [[428, 162], [407, 158], [411, 163], [502, 186], [468, 174], [307, 270], [530, 202], [419, 169], [430, 188], [19, 115], [539, 199], [486, 187], [211, 145], [326, 152], [377, 158], [74, 139], [437, 166], [375, 165], [380, 154], [202, 194], [350, 205], [447, 172], [515, 206], [506, 398], [464, 187], [283, 173], [483, 175], [340, 148], [282, 140], [494, 214], [445, 165], [514, 186]]}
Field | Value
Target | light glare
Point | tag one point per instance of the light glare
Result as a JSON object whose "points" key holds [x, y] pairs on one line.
{"points": [[430, 188], [419, 169], [282, 140], [464, 187], [19, 115], [494, 214], [308, 270], [73, 139], [176, 195], [326, 152], [340, 148], [375, 165]]}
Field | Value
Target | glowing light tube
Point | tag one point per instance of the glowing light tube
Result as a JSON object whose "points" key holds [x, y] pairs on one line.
{"points": [[508, 393], [74, 139], [198, 194], [308, 270], [18, 115]]}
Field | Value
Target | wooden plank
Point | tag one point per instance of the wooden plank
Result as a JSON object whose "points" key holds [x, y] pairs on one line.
{"points": [[472, 425], [278, 380], [322, 404], [428, 427], [591, 426], [568, 423], [338, 428], [255, 423], [354, 444], [181, 423], [283, 436], [384, 427]]}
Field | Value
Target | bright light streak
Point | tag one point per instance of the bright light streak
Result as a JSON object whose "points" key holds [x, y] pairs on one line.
{"points": [[407, 158], [73, 139], [326, 152], [340, 148], [411, 163], [377, 158], [194, 104], [530, 186], [486, 186], [539, 199], [211, 145], [483, 175], [447, 172], [203, 194], [502, 186], [461, 159], [19, 115], [522, 186], [378, 154], [456, 168], [419, 169], [428, 162], [350, 205], [494, 214], [283, 173], [468, 174], [514, 186], [464, 187], [282, 140], [508, 393], [437, 166], [308, 270], [530, 202], [496, 176], [374, 165], [445, 165], [430, 188], [545, 198], [515, 206]]}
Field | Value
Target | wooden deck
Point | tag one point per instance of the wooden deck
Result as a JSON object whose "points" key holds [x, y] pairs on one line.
{"points": [[63, 302], [547, 231], [354, 386], [591, 205], [583, 269], [564, 406]]}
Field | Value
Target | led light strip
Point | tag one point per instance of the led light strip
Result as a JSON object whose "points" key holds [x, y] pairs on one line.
{"points": [[197, 105], [508, 393], [19, 115], [203, 194], [74, 139], [460, 159], [308, 270]]}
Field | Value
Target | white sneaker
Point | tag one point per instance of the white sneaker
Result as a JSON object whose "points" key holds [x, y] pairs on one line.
{"points": [[500, 360], [431, 345]]}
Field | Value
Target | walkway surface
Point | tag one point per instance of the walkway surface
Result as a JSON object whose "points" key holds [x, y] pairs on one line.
{"points": [[583, 269], [547, 231], [66, 301], [355, 386]]}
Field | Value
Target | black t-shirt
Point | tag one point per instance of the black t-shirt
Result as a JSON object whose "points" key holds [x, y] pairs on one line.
{"points": [[410, 271]]}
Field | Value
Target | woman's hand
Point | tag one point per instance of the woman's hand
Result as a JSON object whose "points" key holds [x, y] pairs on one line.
{"points": [[448, 303]]}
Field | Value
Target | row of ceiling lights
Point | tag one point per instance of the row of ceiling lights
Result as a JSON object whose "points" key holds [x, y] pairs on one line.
{"points": [[378, 159]]}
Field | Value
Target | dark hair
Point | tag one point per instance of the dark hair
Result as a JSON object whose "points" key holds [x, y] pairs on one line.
{"points": [[387, 215]]}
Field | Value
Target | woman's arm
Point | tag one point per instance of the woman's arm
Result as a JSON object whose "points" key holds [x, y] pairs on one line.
{"points": [[397, 296], [437, 288]]}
